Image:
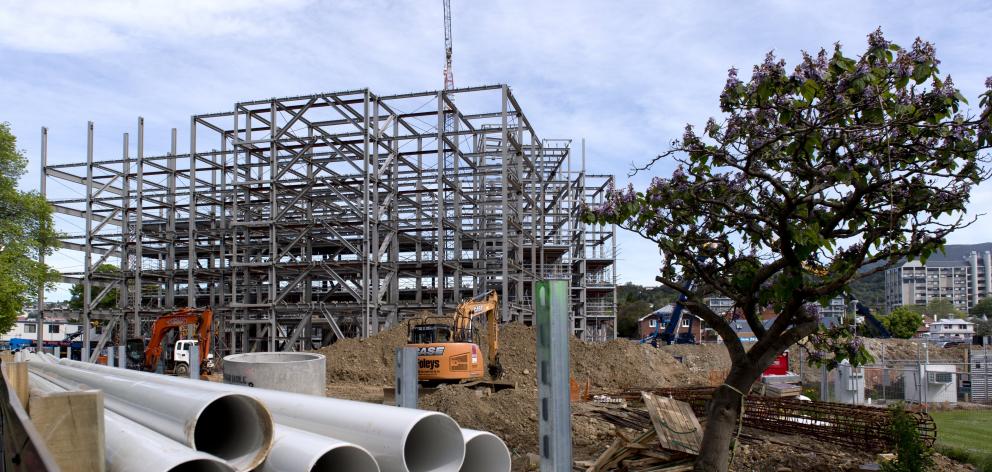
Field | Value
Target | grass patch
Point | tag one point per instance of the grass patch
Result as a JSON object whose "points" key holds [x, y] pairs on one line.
{"points": [[964, 435]]}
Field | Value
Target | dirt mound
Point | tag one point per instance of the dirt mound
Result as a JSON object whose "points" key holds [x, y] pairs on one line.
{"points": [[512, 415], [616, 364], [368, 361], [911, 350]]}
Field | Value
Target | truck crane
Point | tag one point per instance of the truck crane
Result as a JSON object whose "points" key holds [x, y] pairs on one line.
{"points": [[448, 348], [668, 336]]}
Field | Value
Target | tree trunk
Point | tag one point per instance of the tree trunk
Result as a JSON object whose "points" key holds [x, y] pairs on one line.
{"points": [[721, 417]]}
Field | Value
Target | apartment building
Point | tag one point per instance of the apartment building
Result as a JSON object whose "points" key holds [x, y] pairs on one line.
{"points": [[963, 282]]}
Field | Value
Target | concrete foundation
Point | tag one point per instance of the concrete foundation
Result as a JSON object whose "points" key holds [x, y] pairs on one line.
{"points": [[286, 371]]}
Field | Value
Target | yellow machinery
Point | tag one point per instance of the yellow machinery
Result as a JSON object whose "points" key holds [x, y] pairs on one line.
{"points": [[448, 349]]}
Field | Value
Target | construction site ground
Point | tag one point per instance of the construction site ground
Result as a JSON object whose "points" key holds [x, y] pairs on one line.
{"points": [[360, 369]]}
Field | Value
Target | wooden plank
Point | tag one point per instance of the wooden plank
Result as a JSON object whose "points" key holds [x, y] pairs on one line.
{"points": [[17, 375], [677, 427], [71, 424]]}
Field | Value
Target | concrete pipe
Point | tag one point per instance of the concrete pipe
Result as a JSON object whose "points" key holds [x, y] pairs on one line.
{"points": [[296, 450], [131, 446], [236, 428], [400, 439], [297, 372], [484, 452]]}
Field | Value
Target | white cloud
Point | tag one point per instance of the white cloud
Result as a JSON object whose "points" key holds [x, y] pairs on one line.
{"points": [[68, 26], [625, 75]]}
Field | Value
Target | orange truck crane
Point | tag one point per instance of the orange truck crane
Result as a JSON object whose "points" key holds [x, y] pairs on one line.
{"points": [[448, 350], [202, 320]]}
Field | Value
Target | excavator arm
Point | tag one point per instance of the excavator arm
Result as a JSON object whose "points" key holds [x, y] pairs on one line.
{"points": [[165, 323], [486, 304]]}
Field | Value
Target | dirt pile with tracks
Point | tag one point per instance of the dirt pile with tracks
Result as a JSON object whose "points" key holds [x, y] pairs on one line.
{"points": [[611, 365]]}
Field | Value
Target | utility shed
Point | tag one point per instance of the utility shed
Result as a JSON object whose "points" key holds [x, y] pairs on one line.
{"points": [[932, 383], [850, 384]]}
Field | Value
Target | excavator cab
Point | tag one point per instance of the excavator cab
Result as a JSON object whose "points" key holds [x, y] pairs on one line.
{"points": [[429, 333]]}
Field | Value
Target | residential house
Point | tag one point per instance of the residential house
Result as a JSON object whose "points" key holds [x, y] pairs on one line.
{"points": [[649, 323], [952, 329]]}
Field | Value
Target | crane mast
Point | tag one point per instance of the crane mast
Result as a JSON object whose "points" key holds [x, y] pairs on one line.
{"points": [[449, 78]]}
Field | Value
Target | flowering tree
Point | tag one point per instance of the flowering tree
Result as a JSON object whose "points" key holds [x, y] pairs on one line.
{"points": [[808, 177]]}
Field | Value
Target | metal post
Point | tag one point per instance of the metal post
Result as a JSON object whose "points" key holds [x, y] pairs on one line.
{"points": [[122, 357], [406, 377], [41, 253], [194, 361], [110, 356], [824, 385], [87, 257], [554, 408], [58, 352]]}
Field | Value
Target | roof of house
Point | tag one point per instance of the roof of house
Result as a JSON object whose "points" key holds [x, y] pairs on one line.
{"points": [[951, 321], [663, 313]]}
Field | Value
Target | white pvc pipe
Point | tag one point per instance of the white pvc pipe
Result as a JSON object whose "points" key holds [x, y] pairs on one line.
{"points": [[400, 439], [295, 450], [236, 428], [131, 446], [484, 452]]}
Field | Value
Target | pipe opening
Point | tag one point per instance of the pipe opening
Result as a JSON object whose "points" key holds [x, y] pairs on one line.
{"points": [[236, 428], [486, 453], [348, 458], [433, 445], [201, 465]]}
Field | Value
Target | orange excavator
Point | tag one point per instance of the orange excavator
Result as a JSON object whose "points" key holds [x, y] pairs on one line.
{"points": [[448, 349], [200, 319]]}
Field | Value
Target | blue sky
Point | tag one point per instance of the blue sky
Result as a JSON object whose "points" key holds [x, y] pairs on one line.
{"points": [[624, 75]]}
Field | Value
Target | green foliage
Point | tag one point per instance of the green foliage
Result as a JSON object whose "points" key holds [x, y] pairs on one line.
{"points": [[902, 322], [26, 229], [943, 308], [108, 301], [983, 307], [870, 290], [982, 327], [912, 455]]}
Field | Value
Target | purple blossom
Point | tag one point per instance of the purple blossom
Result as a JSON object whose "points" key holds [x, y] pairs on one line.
{"points": [[689, 137], [812, 310], [877, 40], [903, 65], [988, 82], [854, 345], [923, 52], [947, 88], [863, 69], [732, 80], [816, 356], [627, 195]]}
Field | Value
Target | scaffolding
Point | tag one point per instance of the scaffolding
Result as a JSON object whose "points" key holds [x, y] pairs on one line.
{"points": [[304, 219]]}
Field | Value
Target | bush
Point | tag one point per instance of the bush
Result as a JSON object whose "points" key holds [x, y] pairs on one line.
{"points": [[912, 455]]}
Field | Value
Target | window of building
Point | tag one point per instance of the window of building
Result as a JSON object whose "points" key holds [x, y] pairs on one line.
{"points": [[54, 328], [30, 328], [685, 322], [652, 323]]}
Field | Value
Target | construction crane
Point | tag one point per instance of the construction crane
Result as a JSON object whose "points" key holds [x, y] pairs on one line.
{"points": [[449, 77]]}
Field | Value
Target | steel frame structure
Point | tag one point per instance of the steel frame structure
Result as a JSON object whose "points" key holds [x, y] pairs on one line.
{"points": [[337, 214]]}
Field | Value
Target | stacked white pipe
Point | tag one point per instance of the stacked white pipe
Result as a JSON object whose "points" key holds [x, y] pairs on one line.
{"points": [[316, 433]]}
